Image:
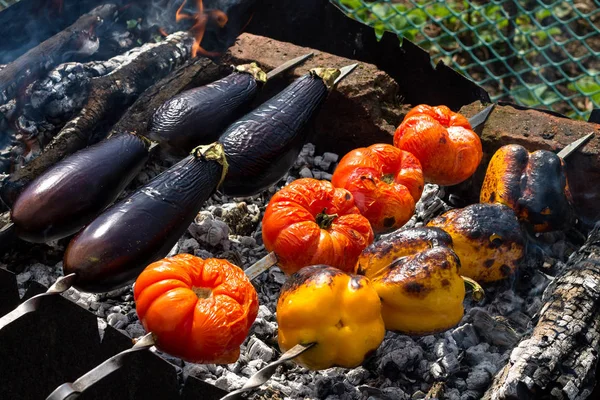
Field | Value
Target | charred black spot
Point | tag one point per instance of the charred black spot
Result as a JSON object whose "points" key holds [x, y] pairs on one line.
{"points": [[493, 197], [414, 288], [505, 270], [348, 196], [488, 263], [389, 222], [445, 265], [443, 140], [310, 274], [474, 234], [495, 242], [445, 283]]}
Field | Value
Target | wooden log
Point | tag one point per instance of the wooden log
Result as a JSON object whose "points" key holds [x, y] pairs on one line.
{"points": [[108, 96], [78, 38], [559, 359]]}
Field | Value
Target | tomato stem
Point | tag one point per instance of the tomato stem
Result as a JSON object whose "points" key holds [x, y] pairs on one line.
{"points": [[202, 292], [325, 220], [388, 178]]}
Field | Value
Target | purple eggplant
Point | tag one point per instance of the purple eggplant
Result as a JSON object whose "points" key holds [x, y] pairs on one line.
{"points": [[72, 192], [263, 145], [116, 246], [198, 116]]}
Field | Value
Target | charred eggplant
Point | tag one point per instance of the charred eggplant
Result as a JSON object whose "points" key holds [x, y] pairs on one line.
{"points": [[71, 193], [263, 145], [198, 116], [114, 248]]}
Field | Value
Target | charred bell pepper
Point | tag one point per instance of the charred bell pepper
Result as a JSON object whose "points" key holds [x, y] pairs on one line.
{"points": [[263, 145], [72, 192], [534, 185], [386, 183], [341, 313], [198, 310], [487, 239], [118, 244], [442, 140], [311, 222], [417, 276], [198, 116]]}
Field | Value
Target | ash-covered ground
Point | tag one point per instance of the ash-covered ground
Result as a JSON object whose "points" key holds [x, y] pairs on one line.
{"points": [[460, 363]]}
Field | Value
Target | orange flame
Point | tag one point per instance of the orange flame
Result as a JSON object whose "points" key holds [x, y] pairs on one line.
{"points": [[202, 18], [163, 32]]}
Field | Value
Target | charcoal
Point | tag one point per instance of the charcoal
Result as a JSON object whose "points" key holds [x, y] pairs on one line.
{"points": [[465, 336], [403, 367], [259, 350]]}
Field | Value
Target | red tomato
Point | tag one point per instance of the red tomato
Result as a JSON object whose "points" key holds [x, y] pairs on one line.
{"points": [[386, 183], [198, 310], [311, 222], [442, 140]]}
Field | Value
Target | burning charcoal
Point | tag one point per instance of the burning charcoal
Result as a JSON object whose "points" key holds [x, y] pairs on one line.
{"points": [[208, 230], [480, 377], [534, 306], [257, 349], [465, 336], [230, 381], [200, 371], [479, 354], [357, 376], [189, 246], [116, 320], [397, 354], [495, 331], [135, 330], [507, 302], [306, 173]]}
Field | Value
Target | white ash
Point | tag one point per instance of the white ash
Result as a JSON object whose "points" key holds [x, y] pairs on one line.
{"points": [[464, 358], [62, 93]]}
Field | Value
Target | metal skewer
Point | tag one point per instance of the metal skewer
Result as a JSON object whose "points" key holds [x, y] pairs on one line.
{"points": [[477, 120], [61, 285], [262, 376], [344, 72], [73, 390], [570, 149], [70, 391], [287, 65]]}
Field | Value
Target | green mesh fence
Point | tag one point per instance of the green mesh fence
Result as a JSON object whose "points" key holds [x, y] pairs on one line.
{"points": [[538, 53]]}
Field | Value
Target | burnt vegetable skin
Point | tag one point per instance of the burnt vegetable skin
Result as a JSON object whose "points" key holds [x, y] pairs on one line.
{"points": [[114, 248], [534, 185], [263, 145], [72, 192], [198, 116]]}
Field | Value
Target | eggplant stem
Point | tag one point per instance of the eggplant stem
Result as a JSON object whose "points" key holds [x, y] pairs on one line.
{"points": [[213, 151], [478, 292], [325, 220]]}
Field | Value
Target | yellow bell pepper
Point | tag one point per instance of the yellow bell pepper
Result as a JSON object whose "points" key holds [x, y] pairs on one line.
{"points": [[416, 274], [487, 239], [534, 185], [341, 313]]}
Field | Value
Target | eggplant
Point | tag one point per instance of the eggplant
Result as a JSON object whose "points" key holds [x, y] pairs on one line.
{"points": [[115, 247], [198, 116], [264, 144], [72, 192]]}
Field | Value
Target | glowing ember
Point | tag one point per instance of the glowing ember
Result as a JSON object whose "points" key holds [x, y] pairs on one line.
{"points": [[202, 18]]}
